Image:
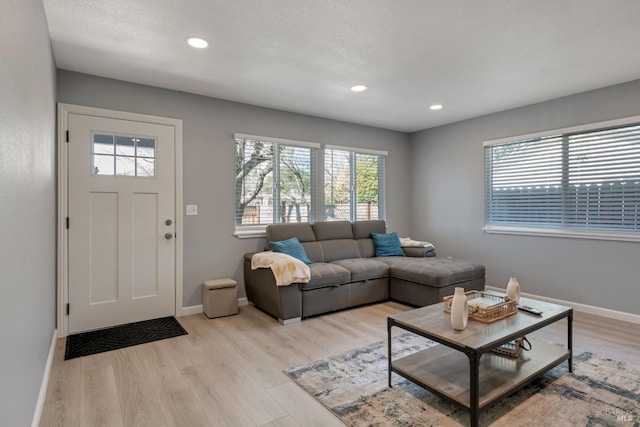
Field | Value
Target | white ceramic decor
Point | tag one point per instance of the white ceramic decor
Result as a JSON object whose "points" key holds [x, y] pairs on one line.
{"points": [[459, 310], [513, 289]]}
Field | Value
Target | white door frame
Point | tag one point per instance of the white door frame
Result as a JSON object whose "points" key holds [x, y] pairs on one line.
{"points": [[63, 203]]}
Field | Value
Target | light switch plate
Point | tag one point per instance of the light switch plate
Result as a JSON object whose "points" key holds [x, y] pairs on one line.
{"points": [[192, 209]]}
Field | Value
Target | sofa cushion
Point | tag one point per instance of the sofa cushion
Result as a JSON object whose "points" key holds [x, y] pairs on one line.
{"points": [[291, 247], [302, 230], [339, 249], [364, 268], [435, 272], [367, 250], [363, 229], [387, 244], [314, 251], [391, 260], [330, 230], [324, 274]]}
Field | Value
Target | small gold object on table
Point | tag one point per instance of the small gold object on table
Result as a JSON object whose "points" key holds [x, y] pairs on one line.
{"points": [[485, 307]]}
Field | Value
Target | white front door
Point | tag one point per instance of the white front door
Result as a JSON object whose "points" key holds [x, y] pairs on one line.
{"points": [[121, 230]]}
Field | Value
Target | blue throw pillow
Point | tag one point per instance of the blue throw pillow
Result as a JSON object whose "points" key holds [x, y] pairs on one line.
{"points": [[291, 247], [387, 244]]}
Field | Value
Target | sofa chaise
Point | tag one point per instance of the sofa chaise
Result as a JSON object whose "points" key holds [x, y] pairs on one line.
{"points": [[346, 272]]}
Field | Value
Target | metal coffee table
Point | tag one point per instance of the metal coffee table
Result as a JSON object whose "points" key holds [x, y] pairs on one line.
{"points": [[463, 369]]}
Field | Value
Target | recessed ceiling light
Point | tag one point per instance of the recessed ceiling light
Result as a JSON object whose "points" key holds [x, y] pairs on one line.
{"points": [[436, 107], [358, 88], [197, 42]]}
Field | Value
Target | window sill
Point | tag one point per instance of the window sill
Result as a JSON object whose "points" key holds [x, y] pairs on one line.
{"points": [[564, 232], [250, 232]]}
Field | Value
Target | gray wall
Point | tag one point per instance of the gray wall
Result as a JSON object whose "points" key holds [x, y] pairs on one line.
{"points": [[210, 249], [448, 174], [27, 207]]}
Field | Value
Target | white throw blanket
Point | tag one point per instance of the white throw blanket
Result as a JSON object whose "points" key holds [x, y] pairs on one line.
{"points": [[407, 242], [286, 269]]}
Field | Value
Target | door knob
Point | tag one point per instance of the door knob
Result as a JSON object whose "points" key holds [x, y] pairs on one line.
{"points": [[168, 236]]}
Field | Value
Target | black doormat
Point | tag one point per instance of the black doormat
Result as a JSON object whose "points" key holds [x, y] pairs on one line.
{"points": [[122, 336]]}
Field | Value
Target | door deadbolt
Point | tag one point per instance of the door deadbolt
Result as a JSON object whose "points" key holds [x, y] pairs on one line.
{"points": [[168, 222]]}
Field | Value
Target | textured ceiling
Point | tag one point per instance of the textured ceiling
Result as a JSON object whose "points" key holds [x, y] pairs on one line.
{"points": [[475, 57]]}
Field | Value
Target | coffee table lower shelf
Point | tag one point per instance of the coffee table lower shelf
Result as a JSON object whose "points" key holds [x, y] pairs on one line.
{"points": [[446, 371]]}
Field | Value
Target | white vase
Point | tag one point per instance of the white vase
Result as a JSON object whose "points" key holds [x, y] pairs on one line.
{"points": [[513, 289], [459, 310]]}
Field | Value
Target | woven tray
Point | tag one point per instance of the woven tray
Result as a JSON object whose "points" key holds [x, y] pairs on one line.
{"points": [[485, 307]]}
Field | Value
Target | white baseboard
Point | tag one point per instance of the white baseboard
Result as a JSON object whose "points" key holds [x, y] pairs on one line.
{"points": [[195, 309], [583, 308], [37, 413]]}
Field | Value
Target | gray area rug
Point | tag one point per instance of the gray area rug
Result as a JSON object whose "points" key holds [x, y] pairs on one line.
{"points": [[353, 385]]}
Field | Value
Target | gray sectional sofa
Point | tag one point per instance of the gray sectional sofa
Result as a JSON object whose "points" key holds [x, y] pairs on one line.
{"points": [[346, 272]]}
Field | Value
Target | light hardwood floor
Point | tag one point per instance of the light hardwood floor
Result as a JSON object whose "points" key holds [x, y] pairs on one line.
{"points": [[229, 371]]}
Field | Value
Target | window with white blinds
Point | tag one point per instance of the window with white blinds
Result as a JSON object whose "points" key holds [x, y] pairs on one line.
{"points": [[572, 180], [353, 184], [274, 180]]}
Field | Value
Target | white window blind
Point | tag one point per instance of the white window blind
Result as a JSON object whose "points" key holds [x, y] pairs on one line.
{"points": [[274, 180], [581, 180], [353, 184]]}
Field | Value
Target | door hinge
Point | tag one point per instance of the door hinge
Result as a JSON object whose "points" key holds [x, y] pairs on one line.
{"points": [[67, 136], [67, 309], [67, 222]]}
